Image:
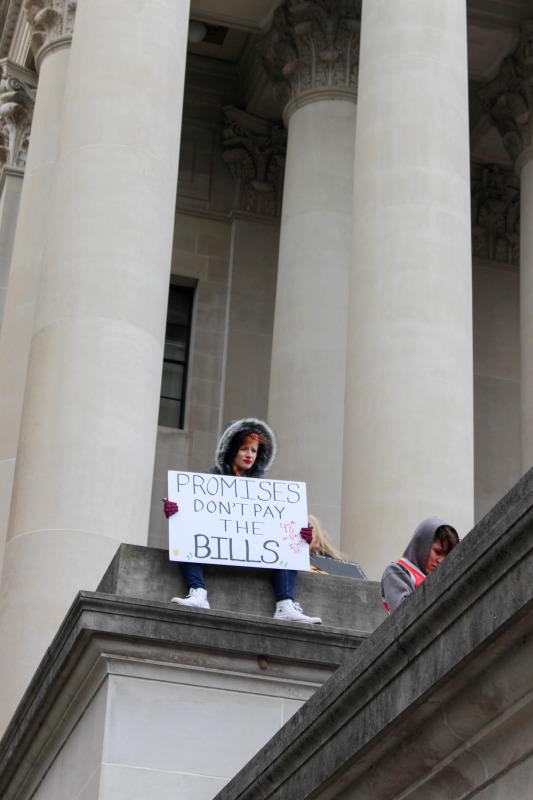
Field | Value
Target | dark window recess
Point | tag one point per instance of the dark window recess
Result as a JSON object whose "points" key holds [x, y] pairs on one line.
{"points": [[176, 357]]}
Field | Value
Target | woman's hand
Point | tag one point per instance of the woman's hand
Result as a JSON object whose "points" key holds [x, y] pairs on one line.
{"points": [[307, 533], [169, 508]]}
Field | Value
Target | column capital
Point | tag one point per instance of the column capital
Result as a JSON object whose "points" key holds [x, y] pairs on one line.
{"points": [[508, 99], [312, 51], [255, 151], [17, 101], [51, 23]]}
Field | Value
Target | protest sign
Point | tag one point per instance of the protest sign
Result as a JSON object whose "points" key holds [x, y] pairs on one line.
{"points": [[246, 522]]}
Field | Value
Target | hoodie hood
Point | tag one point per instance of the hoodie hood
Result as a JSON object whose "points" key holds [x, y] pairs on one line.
{"points": [[230, 442], [417, 551]]}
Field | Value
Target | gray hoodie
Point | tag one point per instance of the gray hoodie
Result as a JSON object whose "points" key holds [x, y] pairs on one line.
{"points": [[397, 583]]}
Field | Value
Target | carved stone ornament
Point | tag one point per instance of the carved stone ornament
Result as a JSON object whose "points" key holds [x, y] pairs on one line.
{"points": [[17, 101], [313, 46], [508, 99], [255, 151], [495, 214], [51, 22]]}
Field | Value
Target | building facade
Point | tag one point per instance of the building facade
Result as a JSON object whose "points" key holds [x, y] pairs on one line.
{"points": [[309, 212]]}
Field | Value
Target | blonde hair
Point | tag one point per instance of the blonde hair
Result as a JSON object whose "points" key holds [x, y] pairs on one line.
{"points": [[320, 543]]}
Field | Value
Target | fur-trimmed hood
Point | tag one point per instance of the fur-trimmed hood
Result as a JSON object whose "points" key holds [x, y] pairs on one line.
{"points": [[231, 439]]}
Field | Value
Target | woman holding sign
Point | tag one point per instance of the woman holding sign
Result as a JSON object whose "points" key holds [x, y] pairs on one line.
{"points": [[246, 449]]}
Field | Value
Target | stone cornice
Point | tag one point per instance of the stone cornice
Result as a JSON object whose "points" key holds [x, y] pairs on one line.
{"points": [[52, 24], [17, 101], [313, 50]]}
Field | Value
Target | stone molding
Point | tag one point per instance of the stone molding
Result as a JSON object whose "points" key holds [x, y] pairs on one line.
{"points": [[101, 625], [436, 702], [495, 214], [313, 48], [51, 23], [255, 151], [17, 102], [346, 605], [508, 99]]}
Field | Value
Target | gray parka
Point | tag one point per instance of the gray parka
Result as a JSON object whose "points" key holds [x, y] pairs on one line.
{"points": [[230, 441]]}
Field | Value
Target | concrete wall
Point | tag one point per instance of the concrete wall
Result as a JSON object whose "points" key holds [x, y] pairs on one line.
{"points": [[230, 258], [496, 320]]}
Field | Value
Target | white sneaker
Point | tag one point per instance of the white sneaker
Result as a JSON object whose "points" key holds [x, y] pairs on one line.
{"points": [[196, 598], [289, 611]]}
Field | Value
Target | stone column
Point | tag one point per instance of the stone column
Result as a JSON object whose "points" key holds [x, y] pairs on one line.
{"points": [[409, 406], [312, 56], [17, 99], [52, 33], [87, 440], [508, 100], [255, 150]]}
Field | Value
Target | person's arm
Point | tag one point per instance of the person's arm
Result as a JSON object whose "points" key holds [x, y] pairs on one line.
{"points": [[396, 586]]}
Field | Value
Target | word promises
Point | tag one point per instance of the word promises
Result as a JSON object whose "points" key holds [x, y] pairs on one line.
{"points": [[246, 489]]}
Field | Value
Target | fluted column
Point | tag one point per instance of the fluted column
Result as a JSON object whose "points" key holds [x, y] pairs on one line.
{"points": [[87, 440], [409, 417], [312, 57], [508, 100], [51, 37]]}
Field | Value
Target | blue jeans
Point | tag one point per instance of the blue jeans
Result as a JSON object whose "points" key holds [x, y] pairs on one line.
{"points": [[284, 580]]}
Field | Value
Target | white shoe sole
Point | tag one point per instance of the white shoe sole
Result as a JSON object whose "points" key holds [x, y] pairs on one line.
{"points": [[182, 601], [306, 620]]}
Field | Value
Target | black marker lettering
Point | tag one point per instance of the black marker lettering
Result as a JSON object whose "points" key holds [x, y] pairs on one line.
{"points": [[269, 550], [294, 491], [182, 479], [201, 545], [198, 483]]}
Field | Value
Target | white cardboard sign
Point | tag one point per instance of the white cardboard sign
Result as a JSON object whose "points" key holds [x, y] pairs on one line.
{"points": [[246, 522]]}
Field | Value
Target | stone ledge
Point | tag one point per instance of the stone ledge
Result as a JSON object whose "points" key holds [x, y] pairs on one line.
{"points": [[417, 712], [146, 573], [161, 632]]}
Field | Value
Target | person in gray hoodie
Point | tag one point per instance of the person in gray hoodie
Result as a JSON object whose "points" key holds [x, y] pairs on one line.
{"points": [[430, 544]]}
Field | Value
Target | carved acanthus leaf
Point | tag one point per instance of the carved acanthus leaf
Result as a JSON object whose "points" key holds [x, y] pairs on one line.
{"points": [[17, 101], [495, 214], [50, 21], [313, 44], [508, 99], [255, 151]]}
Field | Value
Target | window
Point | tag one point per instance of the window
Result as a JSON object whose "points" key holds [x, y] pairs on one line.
{"points": [[176, 357]]}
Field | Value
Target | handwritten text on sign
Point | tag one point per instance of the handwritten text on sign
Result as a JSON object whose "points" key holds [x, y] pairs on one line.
{"points": [[250, 522]]}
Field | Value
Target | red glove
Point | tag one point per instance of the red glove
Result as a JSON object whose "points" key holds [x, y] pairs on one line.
{"points": [[169, 508], [307, 533]]}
